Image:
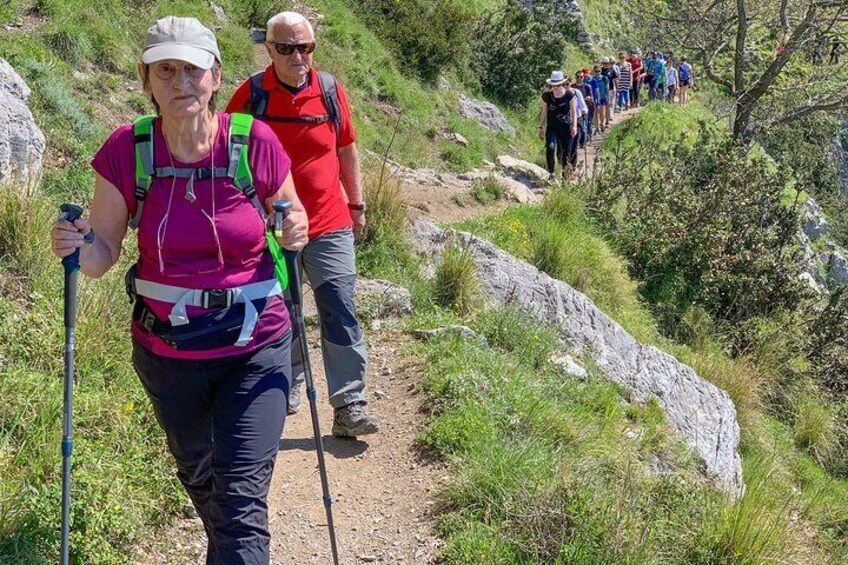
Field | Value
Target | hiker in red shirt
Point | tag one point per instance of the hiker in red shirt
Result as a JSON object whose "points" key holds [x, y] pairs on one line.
{"points": [[309, 113], [636, 65]]}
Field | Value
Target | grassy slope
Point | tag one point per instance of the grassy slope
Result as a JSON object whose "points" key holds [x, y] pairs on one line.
{"points": [[79, 59], [559, 238], [76, 111]]}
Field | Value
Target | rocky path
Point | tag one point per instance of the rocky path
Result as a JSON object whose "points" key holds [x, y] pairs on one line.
{"points": [[384, 488], [447, 197]]}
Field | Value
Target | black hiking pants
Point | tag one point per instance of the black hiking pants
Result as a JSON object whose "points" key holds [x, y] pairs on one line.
{"points": [[223, 419], [558, 143]]}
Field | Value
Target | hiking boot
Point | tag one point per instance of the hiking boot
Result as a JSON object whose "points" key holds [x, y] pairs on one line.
{"points": [[294, 399], [352, 421], [552, 179]]}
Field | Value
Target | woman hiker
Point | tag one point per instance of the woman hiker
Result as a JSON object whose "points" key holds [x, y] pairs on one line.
{"points": [[558, 123], [211, 335]]}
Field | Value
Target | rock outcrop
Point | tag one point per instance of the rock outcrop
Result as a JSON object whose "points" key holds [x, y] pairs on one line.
{"points": [[825, 267], [486, 114], [524, 172], [703, 414], [21, 141]]}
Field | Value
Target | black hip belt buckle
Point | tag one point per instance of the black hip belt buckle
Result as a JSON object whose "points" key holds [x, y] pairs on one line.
{"points": [[217, 298]]}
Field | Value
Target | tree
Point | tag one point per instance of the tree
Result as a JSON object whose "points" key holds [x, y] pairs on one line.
{"points": [[768, 55]]}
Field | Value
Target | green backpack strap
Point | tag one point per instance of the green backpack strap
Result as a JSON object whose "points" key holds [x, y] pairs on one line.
{"points": [[239, 171], [143, 139]]}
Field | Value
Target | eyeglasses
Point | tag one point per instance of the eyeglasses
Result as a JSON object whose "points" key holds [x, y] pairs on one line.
{"points": [[289, 48], [167, 71]]}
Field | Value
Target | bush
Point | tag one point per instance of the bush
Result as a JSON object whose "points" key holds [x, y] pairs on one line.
{"points": [[456, 285], [425, 35], [487, 191], [514, 48], [815, 427], [828, 352], [702, 224]]}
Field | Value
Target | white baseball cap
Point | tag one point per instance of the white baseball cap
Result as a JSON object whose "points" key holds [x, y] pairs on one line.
{"points": [[184, 39]]}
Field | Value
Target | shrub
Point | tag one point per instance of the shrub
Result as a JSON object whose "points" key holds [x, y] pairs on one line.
{"points": [[828, 352], [456, 285], [702, 224], [514, 48], [815, 425], [425, 35], [487, 191]]}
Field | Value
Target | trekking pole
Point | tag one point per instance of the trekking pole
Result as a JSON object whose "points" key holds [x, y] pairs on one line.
{"points": [[69, 212], [282, 209]]}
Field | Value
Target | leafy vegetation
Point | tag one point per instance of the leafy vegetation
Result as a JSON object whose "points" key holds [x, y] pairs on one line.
{"points": [[704, 225], [407, 26], [122, 475], [514, 50]]}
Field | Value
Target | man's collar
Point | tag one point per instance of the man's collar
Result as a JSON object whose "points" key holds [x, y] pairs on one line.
{"points": [[271, 82]]}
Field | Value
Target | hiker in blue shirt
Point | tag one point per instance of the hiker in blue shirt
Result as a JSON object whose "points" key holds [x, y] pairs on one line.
{"points": [[687, 80], [600, 89]]}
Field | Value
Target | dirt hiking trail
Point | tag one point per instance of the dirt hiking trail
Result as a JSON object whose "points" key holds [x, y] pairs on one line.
{"points": [[383, 487]]}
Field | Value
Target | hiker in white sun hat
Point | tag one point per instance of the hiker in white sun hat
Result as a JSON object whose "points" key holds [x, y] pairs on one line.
{"points": [[558, 122]]}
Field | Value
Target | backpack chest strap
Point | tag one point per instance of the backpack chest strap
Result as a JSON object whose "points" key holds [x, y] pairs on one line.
{"points": [[199, 173], [238, 169], [295, 119]]}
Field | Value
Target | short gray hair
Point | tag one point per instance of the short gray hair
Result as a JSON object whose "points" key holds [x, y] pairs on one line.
{"points": [[289, 19]]}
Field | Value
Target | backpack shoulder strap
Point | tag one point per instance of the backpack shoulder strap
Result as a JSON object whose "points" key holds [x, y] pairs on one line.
{"points": [[239, 168], [258, 95], [329, 91], [143, 140]]}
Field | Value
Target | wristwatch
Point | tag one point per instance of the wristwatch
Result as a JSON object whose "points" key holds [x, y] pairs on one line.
{"points": [[361, 207]]}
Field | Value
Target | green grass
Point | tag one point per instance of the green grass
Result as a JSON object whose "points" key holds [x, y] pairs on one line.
{"points": [[122, 478], [380, 93], [541, 472], [559, 238]]}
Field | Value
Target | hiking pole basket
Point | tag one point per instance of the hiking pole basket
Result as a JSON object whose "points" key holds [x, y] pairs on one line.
{"points": [[282, 209]]}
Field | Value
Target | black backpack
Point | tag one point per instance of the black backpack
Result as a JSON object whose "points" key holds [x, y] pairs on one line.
{"points": [[327, 83]]}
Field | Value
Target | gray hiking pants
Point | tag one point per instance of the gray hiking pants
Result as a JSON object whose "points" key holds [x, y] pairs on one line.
{"points": [[329, 263]]}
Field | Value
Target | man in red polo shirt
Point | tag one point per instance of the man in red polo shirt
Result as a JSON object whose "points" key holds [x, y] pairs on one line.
{"points": [[317, 133]]}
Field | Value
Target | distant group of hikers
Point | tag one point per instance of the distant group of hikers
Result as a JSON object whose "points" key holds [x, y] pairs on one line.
{"points": [[823, 43], [573, 111], [211, 332]]}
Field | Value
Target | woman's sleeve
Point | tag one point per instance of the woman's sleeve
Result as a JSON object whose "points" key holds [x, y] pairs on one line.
{"points": [[115, 162]]}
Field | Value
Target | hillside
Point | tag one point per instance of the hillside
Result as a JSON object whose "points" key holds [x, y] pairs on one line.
{"points": [[503, 442]]}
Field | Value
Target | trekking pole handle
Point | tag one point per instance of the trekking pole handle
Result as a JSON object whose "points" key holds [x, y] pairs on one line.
{"points": [[282, 208], [71, 213]]}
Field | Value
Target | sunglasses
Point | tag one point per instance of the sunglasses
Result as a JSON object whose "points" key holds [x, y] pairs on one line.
{"points": [[288, 48], [167, 71]]}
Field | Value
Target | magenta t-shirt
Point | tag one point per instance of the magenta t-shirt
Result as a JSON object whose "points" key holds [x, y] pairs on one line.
{"points": [[190, 240]]}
